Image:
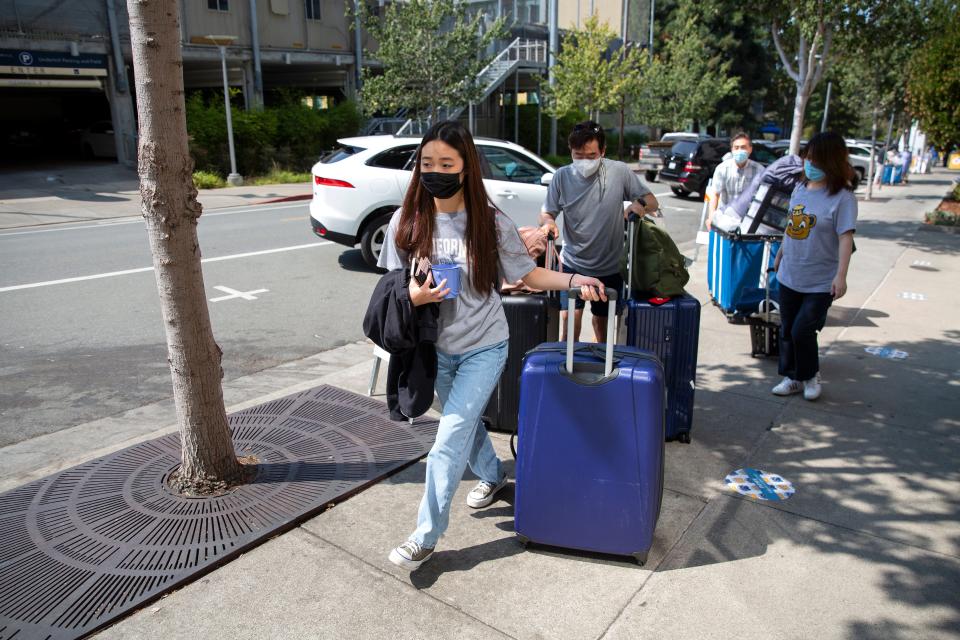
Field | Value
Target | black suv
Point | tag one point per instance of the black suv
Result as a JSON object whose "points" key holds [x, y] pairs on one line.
{"points": [[691, 163]]}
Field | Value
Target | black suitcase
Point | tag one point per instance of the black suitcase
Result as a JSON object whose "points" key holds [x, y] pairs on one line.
{"points": [[532, 319]]}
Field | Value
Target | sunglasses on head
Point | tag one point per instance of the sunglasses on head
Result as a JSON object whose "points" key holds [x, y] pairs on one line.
{"points": [[587, 127]]}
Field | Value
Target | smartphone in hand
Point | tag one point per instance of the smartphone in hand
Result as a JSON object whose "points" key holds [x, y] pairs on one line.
{"points": [[421, 270]]}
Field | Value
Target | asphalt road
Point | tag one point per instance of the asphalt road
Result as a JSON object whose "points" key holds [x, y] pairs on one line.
{"points": [[80, 319]]}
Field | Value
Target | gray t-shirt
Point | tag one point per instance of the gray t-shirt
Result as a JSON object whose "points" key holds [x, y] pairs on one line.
{"points": [[471, 320], [592, 208], [811, 242]]}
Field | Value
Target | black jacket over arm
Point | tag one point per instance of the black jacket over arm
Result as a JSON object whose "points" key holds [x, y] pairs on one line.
{"points": [[409, 335]]}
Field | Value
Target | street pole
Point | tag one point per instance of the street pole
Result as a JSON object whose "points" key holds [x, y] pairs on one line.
{"points": [[255, 45], [554, 45], [826, 108], [516, 107], [653, 3], [358, 43], [234, 178]]}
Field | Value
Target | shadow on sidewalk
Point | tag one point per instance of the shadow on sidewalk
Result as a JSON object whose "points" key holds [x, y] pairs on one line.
{"points": [[839, 316], [910, 235], [874, 466]]}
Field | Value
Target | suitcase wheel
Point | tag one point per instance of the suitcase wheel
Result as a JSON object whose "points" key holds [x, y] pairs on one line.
{"points": [[684, 437], [523, 540], [641, 558]]}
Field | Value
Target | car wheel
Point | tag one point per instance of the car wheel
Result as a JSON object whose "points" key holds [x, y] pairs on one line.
{"points": [[859, 171], [651, 176], [678, 191], [371, 242]]}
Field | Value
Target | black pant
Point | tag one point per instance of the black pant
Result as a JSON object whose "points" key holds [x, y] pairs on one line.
{"points": [[802, 315]]}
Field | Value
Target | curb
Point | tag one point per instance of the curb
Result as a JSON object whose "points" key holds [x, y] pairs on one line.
{"points": [[306, 196]]}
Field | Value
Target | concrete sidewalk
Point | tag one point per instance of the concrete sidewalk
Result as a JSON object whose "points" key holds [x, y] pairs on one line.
{"points": [[868, 547], [98, 191]]}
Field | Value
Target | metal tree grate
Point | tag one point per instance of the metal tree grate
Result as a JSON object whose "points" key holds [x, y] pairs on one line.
{"points": [[87, 545]]}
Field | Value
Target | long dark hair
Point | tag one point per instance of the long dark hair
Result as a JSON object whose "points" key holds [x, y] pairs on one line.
{"points": [[418, 215], [828, 152]]}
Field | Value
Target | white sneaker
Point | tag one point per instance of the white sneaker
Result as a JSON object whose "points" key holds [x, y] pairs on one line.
{"points": [[483, 494], [787, 387], [410, 555], [811, 388]]}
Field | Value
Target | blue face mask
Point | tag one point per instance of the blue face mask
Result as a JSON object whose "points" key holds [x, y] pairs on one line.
{"points": [[740, 156], [813, 174]]}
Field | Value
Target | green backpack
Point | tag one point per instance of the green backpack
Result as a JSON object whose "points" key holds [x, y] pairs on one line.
{"points": [[658, 266]]}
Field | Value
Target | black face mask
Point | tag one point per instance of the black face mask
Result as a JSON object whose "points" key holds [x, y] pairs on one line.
{"points": [[441, 185]]}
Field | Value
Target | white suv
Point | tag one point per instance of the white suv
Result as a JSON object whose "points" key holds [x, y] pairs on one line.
{"points": [[358, 187]]}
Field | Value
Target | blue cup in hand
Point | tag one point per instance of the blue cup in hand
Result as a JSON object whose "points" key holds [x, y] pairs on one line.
{"points": [[450, 273]]}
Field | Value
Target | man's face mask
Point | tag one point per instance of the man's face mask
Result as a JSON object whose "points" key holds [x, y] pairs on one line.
{"points": [[586, 168]]}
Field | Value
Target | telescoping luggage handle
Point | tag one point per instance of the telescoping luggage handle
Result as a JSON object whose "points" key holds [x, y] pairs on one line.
{"points": [[572, 294]]}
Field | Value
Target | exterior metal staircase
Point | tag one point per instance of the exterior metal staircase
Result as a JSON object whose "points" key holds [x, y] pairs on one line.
{"points": [[519, 53]]}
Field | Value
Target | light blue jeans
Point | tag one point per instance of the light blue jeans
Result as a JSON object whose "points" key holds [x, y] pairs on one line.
{"points": [[464, 384]]}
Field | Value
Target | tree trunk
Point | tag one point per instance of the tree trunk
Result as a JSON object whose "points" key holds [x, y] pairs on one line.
{"points": [[799, 108], [171, 211]]}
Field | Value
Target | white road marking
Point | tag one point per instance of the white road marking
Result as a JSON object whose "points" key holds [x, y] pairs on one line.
{"points": [[139, 219], [233, 293], [111, 274], [909, 295]]}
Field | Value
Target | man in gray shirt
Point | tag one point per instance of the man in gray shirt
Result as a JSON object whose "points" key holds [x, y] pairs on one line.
{"points": [[590, 194]]}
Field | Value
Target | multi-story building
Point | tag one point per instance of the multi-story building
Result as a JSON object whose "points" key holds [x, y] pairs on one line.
{"points": [[66, 65]]}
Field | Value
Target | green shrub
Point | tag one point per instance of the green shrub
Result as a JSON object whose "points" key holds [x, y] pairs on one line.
{"points": [[280, 176], [943, 218], [557, 161], [287, 134], [207, 180], [956, 192]]}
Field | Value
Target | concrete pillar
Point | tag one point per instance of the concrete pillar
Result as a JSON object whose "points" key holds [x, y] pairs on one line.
{"points": [[249, 86], [122, 115]]}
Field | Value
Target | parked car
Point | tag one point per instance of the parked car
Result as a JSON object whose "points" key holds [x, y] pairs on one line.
{"points": [[859, 157], [358, 186], [96, 141], [691, 163], [652, 154]]}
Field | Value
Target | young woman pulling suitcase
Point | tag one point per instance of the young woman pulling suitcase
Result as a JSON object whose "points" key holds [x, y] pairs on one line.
{"points": [[447, 217]]}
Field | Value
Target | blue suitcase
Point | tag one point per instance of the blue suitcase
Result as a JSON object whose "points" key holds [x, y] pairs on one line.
{"points": [[590, 450], [670, 330], [735, 270]]}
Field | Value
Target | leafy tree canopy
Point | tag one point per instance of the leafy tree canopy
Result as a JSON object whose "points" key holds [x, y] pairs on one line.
{"points": [[431, 55], [933, 85]]}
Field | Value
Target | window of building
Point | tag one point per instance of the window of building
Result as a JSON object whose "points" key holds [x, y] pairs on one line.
{"points": [[317, 102], [218, 5], [313, 9]]}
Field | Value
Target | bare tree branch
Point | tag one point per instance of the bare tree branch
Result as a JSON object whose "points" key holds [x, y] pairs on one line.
{"points": [[804, 67], [827, 39], [811, 62], [783, 56]]}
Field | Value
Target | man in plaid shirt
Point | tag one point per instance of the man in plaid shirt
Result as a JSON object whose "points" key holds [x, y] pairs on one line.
{"points": [[733, 175]]}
